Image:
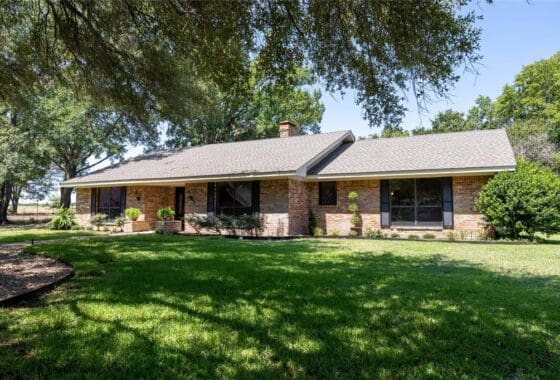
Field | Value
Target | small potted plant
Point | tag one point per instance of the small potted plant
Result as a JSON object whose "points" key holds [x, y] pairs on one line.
{"points": [[355, 220], [133, 224], [166, 223]]}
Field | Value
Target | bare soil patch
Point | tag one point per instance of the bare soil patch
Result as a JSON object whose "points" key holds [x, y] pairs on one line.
{"points": [[23, 273]]}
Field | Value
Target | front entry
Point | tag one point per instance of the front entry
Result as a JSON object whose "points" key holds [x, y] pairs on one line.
{"points": [[180, 205]]}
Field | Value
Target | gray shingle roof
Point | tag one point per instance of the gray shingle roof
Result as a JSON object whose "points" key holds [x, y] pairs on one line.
{"points": [[458, 151], [276, 155]]}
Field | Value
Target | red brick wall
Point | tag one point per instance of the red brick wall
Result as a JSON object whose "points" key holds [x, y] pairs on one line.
{"points": [[465, 190], [274, 207], [195, 201], [337, 218], [298, 207]]}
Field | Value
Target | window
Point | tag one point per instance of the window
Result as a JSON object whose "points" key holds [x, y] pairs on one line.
{"points": [[234, 198], [327, 193], [416, 202], [110, 201]]}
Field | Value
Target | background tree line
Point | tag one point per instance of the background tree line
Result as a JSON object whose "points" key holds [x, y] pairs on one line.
{"points": [[529, 109]]}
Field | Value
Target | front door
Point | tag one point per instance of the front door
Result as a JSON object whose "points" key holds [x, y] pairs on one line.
{"points": [[180, 205]]}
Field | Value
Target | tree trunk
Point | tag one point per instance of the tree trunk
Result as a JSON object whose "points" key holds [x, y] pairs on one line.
{"points": [[16, 193], [66, 192], [5, 196], [65, 197]]}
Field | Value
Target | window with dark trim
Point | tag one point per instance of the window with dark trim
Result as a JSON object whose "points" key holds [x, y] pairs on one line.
{"points": [[110, 201], [234, 198], [327, 193], [416, 202]]}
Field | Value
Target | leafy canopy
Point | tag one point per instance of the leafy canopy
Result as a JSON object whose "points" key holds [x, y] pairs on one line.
{"points": [[525, 201], [154, 56], [254, 110]]}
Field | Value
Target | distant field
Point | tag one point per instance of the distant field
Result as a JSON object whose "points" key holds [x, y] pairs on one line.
{"points": [[31, 213], [34, 209]]}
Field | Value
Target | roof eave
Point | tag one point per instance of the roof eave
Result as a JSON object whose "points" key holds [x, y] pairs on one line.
{"points": [[183, 180], [412, 173]]}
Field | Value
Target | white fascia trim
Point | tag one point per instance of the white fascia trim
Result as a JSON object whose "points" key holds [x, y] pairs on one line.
{"points": [[181, 181], [302, 171], [411, 174]]}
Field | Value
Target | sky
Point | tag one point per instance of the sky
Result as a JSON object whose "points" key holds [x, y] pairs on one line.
{"points": [[514, 34]]}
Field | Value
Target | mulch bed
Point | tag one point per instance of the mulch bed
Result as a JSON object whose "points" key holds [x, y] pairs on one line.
{"points": [[24, 275]]}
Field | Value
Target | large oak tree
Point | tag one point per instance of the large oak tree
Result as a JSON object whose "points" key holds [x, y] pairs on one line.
{"points": [[148, 56]]}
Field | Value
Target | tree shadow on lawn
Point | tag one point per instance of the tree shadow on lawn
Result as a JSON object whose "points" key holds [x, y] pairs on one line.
{"points": [[219, 308]]}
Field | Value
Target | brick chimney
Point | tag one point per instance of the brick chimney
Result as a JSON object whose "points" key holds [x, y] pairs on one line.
{"points": [[287, 129]]}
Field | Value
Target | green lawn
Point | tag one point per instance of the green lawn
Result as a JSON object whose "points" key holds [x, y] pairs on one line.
{"points": [[12, 235], [175, 307]]}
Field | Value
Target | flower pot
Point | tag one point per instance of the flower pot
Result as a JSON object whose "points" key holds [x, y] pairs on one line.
{"points": [[136, 226], [168, 227]]}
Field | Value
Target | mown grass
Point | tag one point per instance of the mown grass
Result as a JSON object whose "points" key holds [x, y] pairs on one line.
{"points": [[175, 307], [13, 235]]}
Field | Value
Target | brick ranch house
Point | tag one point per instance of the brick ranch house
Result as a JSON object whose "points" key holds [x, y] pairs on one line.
{"points": [[419, 183]]}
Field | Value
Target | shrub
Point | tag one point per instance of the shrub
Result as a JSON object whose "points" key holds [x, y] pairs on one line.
{"points": [[451, 236], [353, 233], [76, 228], [165, 213], [374, 234], [89, 228], [355, 220], [250, 223], [119, 222], [487, 233], [413, 237], [98, 219], [194, 221], [428, 236], [210, 222], [312, 222], [115, 230], [526, 201], [63, 220], [335, 232], [318, 231], [463, 235], [395, 235], [353, 207], [132, 213], [105, 229]]}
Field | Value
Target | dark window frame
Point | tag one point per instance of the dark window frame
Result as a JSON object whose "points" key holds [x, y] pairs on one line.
{"points": [[328, 200], [233, 210], [416, 206], [119, 205]]}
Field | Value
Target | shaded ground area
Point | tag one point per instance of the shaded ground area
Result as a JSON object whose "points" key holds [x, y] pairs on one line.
{"points": [[178, 307], [22, 272]]}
